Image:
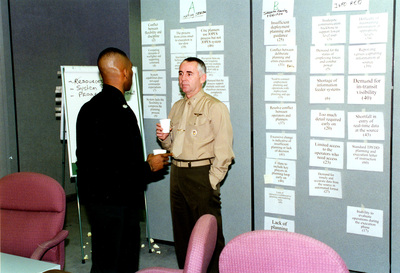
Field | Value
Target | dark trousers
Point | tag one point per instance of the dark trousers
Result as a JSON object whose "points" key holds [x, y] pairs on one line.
{"points": [[115, 238], [191, 197]]}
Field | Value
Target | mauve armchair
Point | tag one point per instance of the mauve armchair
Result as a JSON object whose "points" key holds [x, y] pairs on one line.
{"points": [[200, 250], [264, 251], [32, 214]]}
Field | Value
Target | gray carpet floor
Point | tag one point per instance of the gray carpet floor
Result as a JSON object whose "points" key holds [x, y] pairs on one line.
{"points": [[163, 256]]}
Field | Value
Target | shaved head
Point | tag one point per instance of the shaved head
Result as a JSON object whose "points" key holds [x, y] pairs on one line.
{"points": [[115, 68]]}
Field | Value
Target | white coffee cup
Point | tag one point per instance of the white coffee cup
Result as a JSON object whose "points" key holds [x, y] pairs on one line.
{"points": [[165, 125], [159, 151]]}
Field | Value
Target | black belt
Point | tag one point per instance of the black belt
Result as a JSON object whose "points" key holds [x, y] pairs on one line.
{"points": [[192, 163]]}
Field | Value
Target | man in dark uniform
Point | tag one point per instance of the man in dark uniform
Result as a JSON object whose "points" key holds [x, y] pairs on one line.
{"points": [[112, 173]]}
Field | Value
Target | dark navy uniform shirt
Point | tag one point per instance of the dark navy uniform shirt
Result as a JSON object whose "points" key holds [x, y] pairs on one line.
{"points": [[110, 159]]}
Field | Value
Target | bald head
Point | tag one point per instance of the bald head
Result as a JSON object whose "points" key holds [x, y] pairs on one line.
{"points": [[115, 68]]}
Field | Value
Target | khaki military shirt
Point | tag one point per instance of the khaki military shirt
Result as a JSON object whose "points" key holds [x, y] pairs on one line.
{"points": [[208, 133]]}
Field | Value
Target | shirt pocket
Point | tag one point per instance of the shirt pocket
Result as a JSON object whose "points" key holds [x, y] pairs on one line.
{"points": [[200, 129]]}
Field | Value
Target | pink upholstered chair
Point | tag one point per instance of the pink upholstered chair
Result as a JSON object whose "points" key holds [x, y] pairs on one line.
{"points": [[200, 250], [278, 251], [32, 213]]}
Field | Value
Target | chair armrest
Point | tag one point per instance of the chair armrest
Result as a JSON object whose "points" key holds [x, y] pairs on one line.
{"points": [[43, 247], [159, 270]]}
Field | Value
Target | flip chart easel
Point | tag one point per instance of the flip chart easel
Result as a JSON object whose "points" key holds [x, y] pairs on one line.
{"points": [[80, 84]]}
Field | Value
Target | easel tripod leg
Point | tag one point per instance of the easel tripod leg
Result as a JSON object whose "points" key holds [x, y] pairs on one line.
{"points": [[147, 222], [80, 221]]}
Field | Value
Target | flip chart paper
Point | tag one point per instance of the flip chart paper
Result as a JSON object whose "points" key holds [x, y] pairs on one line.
{"points": [[325, 183], [155, 107], [280, 172], [326, 154], [280, 88], [153, 57], [363, 221], [281, 116], [327, 123], [366, 89], [153, 32], [154, 82], [369, 28], [280, 201], [280, 31], [350, 5], [281, 145], [193, 11], [218, 87], [366, 125], [176, 60], [277, 9], [365, 156], [214, 63], [364, 59], [329, 29], [281, 59], [280, 224], [327, 59], [326, 89], [210, 38], [183, 40]]}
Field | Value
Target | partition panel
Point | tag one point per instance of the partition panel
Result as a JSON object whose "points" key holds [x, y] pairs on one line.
{"points": [[232, 19], [322, 102], [8, 143]]}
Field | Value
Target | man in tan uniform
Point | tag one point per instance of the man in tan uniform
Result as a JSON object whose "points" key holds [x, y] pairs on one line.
{"points": [[201, 143]]}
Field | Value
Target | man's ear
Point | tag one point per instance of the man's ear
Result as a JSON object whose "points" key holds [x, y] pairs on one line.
{"points": [[125, 72], [203, 78]]}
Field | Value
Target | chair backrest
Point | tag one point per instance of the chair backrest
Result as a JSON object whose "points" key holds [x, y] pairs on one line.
{"points": [[278, 251], [201, 244], [32, 211]]}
